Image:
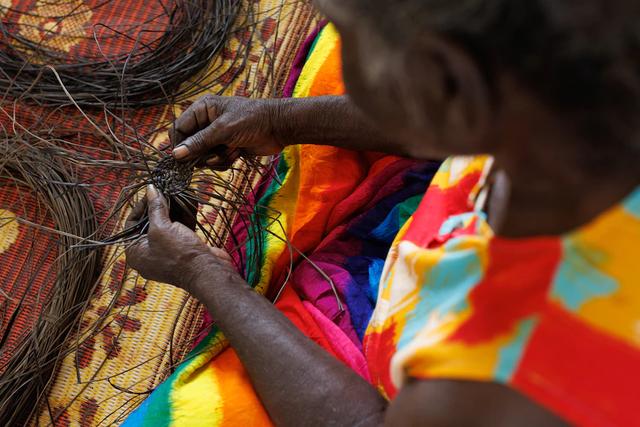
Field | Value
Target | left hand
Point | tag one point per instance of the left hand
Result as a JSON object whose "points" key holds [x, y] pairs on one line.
{"points": [[216, 129], [170, 252]]}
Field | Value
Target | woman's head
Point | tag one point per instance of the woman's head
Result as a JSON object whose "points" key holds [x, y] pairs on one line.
{"points": [[448, 67]]}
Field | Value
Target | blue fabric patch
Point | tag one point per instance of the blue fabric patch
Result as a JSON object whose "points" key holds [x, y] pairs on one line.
{"points": [[445, 290], [511, 354], [137, 417], [455, 222], [632, 203], [376, 229], [375, 273], [578, 279], [389, 227]]}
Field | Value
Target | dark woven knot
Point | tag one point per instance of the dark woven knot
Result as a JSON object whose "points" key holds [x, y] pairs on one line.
{"points": [[171, 177]]}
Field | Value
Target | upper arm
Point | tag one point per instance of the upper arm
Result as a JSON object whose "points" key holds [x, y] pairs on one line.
{"points": [[438, 403]]}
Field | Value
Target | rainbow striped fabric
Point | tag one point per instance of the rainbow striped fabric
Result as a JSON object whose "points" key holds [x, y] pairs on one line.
{"points": [[344, 220], [556, 318]]}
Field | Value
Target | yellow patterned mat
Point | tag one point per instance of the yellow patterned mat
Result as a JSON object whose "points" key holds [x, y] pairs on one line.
{"points": [[151, 326]]}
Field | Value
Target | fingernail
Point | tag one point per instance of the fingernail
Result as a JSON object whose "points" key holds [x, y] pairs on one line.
{"points": [[151, 191], [212, 161], [180, 152]]}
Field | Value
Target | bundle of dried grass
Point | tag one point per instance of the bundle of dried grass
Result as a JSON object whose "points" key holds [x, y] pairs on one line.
{"points": [[164, 58], [63, 180], [125, 160], [28, 370], [67, 179]]}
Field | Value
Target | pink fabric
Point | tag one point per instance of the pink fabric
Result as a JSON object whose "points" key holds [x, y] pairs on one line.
{"points": [[342, 346]]}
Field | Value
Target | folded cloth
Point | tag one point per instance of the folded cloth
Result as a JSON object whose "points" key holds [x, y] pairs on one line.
{"points": [[340, 208]]}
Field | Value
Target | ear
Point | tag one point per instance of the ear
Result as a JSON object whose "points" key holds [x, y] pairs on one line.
{"points": [[448, 98]]}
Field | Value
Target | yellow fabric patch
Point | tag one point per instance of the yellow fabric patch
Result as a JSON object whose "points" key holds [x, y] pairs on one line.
{"points": [[328, 38], [197, 402], [607, 244]]}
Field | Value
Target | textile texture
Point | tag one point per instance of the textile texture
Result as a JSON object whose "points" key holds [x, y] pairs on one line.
{"points": [[555, 318], [552, 317], [148, 326], [340, 208]]}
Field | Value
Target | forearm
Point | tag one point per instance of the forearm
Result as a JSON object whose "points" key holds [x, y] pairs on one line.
{"points": [[297, 381], [330, 120]]}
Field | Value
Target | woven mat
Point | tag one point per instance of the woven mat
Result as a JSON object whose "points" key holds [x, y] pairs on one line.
{"points": [[40, 22], [151, 326], [27, 275]]}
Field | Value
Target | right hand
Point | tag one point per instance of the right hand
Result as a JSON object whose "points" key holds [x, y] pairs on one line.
{"points": [[172, 253], [216, 130]]}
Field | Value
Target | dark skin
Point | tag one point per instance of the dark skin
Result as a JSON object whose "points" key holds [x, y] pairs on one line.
{"points": [[265, 126], [552, 189], [298, 382]]}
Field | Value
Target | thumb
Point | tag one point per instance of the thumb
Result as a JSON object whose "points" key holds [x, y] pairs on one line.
{"points": [[157, 206], [200, 143]]}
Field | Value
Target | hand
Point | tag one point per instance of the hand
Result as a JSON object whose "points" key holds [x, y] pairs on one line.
{"points": [[170, 252], [217, 130]]}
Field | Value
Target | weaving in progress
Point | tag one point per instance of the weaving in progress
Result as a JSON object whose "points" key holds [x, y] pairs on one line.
{"points": [[89, 90], [328, 213]]}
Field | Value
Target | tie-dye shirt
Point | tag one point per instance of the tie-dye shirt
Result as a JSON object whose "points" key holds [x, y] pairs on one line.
{"points": [[556, 318]]}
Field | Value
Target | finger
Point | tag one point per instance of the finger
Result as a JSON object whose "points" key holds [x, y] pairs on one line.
{"points": [[193, 119], [200, 143], [219, 150], [224, 161], [136, 213], [175, 136], [158, 208], [136, 251]]}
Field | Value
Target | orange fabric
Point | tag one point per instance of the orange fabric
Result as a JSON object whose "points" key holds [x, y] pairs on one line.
{"points": [[241, 404], [308, 230], [329, 81]]}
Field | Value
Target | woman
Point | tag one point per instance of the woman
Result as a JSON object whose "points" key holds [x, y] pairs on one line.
{"points": [[551, 90]]}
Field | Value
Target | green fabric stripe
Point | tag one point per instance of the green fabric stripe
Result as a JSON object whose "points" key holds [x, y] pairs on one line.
{"points": [[282, 169]]}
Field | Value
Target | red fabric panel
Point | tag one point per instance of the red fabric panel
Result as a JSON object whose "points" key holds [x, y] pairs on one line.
{"points": [[589, 377], [518, 273]]}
